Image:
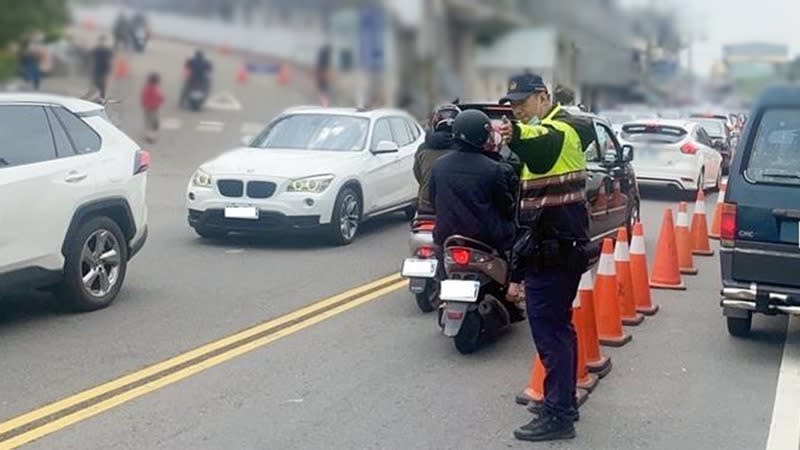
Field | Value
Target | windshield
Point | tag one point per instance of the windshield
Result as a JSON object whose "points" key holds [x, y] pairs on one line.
{"points": [[663, 134], [775, 156], [714, 127], [326, 132]]}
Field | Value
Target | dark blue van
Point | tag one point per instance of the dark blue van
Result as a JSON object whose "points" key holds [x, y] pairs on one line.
{"points": [[760, 249]]}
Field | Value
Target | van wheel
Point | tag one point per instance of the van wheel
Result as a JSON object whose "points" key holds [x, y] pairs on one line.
{"points": [[96, 263], [740, 327]]}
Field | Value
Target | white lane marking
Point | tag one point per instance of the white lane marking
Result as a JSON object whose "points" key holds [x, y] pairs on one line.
{"points": [[784, 431], [224, 101], [171, 123], [251, 128], [210, 126]]}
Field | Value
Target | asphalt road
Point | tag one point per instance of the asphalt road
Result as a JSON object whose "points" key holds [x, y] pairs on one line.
{"points": [[378, 375]]}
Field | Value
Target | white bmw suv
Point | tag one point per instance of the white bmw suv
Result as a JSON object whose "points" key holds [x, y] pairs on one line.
{"points": [[72, 199], [326, 168]]}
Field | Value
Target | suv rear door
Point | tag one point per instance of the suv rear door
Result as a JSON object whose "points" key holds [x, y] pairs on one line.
{"points": [[766, 192]]}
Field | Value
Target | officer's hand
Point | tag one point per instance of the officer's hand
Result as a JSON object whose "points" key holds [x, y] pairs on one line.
{"points": [[513, 292], [506, 130]]}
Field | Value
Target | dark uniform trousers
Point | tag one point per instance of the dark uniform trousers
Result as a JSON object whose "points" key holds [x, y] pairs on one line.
{"points": [[549, 294]]}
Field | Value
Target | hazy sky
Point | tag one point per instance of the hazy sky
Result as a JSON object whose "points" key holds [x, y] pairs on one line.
{"points": [[729, 21]]}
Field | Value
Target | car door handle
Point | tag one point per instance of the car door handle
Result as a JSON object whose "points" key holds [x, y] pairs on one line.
{"points": [[787, 213], [75, 177]]}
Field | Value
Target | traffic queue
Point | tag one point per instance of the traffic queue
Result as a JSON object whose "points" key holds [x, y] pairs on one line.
{"points": [[505, 236]]}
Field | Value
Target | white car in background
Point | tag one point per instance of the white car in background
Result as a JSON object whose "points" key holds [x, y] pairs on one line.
{"points": [[72, 199], [673, 153], [326, 168]]}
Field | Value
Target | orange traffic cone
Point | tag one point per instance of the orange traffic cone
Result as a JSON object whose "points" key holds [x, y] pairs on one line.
{"points": [[609, 323], [283, 74], [683, 240], [595, 361], [121, 67], [534, 392], [641, 283], [622, 264], [717, 219], [242, 74], [584, 379], [666, 272], [533, 395], [699, 230]]}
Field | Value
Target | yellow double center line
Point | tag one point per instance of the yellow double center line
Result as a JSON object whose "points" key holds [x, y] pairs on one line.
{"points": [[63, 413]]}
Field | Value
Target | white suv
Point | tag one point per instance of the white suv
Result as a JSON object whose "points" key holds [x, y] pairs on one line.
{"points": [[327, 168], [72, 199]]}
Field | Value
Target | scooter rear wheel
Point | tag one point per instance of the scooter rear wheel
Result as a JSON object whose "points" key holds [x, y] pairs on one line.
{"points": [[428, 300], [468, 338]]}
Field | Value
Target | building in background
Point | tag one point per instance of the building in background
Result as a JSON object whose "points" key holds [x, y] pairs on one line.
{"points": [[749, 67]]}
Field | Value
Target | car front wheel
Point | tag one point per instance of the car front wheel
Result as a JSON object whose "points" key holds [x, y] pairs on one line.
{"points": [[346, 217], [96, 264]]}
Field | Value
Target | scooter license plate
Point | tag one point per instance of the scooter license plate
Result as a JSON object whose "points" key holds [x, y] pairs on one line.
{"points": [[465, 291], [419, 268]]}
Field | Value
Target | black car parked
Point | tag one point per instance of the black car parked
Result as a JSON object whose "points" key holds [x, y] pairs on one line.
{"points": [[611, 188], [760, 251]]}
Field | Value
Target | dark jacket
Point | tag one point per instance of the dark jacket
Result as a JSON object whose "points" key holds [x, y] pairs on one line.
{"points": [[436, 145], [567, 222], [474, 196]]}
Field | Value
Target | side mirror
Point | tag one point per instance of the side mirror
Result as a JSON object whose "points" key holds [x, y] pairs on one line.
{"points": [[627, 153], [247, 140], [386, 147]]}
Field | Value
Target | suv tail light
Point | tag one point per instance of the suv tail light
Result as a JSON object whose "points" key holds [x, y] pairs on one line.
{"points": [[141, 162], [461, 256], [727, 224], [689, 148]]}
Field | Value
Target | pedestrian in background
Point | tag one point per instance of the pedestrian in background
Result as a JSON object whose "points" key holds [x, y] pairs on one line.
{"points": [[29, 59], [324, 74], [152, 98], [102, 57]]}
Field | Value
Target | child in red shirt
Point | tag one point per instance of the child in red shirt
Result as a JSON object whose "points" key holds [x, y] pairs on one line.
{"points": [[151, 99]]}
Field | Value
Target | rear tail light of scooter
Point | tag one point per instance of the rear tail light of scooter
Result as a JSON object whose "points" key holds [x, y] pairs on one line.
{"points": [[461, 256], [425, 252], [455, 315], [424, 226]]}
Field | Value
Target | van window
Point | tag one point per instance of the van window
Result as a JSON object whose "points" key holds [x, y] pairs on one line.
{"points": [[775, 155], [663, 134]]}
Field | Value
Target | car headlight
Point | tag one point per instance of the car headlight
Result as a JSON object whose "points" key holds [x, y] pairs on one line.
{"points": [[201, 178], [314, 184]]}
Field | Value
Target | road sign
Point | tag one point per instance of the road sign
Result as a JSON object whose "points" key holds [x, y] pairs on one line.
{"points": [[372, 28]]}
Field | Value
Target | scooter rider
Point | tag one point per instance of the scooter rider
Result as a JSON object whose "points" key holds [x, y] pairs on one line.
{"points": [[438, 143], [199, 69], [473, 194], [555, 250]]}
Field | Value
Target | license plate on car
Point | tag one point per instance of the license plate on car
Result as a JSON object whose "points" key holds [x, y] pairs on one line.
{"points": [[460, 290], [241, 212], [419, 268]]}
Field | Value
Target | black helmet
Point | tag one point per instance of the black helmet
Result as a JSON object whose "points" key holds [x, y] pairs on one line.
{"points": [[472, 127], [443, 117]]}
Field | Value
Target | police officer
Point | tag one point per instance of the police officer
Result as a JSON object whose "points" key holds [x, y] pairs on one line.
{"points": [[438, 142], [555, 251]]}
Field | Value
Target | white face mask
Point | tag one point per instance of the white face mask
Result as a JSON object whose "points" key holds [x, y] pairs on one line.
{"points": [[534, 121]]}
